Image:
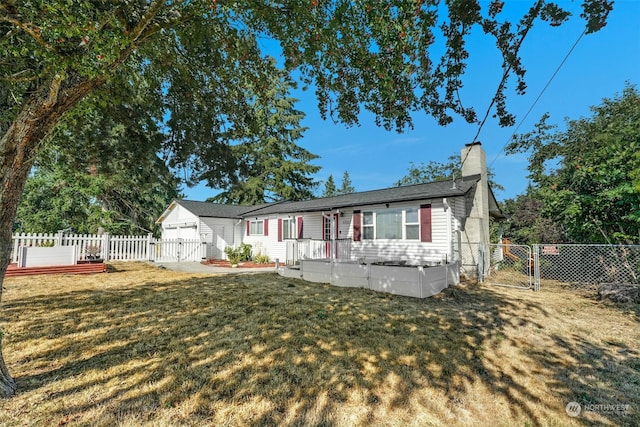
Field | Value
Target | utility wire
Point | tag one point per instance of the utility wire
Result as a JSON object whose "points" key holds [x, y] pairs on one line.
{"points": [[555, 73], [507, 71]]}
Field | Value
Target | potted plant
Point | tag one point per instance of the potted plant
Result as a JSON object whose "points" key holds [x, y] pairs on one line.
{"points": [[93, 253]]}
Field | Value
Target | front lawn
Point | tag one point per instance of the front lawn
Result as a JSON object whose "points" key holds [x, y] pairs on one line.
{"points": [[144, 346]]}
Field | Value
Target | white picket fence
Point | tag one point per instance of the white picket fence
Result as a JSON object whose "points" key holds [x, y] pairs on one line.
{"points": [[115, 248]]}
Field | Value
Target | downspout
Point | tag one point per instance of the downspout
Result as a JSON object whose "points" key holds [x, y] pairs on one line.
{"points": [[334, 233], [447, 208], [234, 232]]}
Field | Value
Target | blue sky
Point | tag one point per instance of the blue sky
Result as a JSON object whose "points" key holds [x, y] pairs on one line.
{"points": [[597, 68]]}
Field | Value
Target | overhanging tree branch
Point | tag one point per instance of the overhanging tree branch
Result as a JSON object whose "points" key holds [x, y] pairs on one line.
{"points": [[33, 32]]}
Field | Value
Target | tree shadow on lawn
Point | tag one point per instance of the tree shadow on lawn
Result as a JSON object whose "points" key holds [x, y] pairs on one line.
{"points": [[603, 380], [604, 374], [270, 350]]}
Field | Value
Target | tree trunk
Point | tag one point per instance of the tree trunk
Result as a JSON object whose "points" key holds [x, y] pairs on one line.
{"points": [[18, 148]]}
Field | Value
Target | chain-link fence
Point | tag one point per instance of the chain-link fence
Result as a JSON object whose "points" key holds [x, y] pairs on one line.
{"points": [[530, 267], [472, 257], [511, 265], [578, 266], [587, 266]]}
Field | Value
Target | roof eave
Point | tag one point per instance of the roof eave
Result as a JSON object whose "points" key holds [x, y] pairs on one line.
{"points": [[454, 192], [494, 207], [166, 212]]}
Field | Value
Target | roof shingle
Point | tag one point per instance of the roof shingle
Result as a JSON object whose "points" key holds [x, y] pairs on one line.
{"points": [[364, 198]]}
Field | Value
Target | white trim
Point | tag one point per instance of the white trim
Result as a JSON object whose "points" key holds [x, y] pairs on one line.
{"points": [[192, 224]]}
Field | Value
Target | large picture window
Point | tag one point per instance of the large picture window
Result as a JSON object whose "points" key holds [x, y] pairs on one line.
{"points": [[398, 224], [389, 224]]}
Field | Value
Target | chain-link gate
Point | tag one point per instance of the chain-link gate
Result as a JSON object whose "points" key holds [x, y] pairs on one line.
{"points": [[510, 265], [586, 266]]}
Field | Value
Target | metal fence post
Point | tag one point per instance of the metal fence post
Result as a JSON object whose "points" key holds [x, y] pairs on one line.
{"points": [[536, 267], [480, 264]]}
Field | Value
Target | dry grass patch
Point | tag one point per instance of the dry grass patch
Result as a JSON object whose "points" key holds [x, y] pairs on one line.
{"points": [[142, 346]]}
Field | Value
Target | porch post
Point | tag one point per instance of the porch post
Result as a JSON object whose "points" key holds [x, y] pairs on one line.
{"points": [[333, 234]]}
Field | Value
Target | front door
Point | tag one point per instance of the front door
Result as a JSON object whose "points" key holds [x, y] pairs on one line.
{"points": [[327, 236]]}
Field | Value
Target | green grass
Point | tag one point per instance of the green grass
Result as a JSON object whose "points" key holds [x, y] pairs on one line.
{"points": [[142, 346]]}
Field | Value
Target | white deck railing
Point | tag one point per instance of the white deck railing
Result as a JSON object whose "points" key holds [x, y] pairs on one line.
{"points": [[317, 249]]}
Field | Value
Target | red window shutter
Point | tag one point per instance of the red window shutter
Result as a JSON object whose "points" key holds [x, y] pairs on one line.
{"points": [[357, 226], [279, 229], [300, 228], [266, 227], [425, 223], [248, 227]]}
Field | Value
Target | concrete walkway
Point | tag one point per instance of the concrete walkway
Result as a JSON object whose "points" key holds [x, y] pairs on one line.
{"points": [[198, 268]]}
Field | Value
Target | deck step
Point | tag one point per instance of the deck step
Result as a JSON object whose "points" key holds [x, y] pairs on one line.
{"points": [[98, 267]]}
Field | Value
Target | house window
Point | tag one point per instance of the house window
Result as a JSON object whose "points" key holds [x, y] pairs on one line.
{"points": [[411, 224], [389, 224], [257, 227], [367, 226], [288, 228], [396, 224]]}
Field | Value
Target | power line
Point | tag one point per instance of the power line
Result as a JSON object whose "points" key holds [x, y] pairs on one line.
{"points": [[555, 73], [505, 75]]}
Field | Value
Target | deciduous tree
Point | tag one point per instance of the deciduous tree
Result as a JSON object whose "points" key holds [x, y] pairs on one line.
{"points": [[100, 169], [584, 174], [526, 224], [437, 171], [431, 172], [202, 55]]}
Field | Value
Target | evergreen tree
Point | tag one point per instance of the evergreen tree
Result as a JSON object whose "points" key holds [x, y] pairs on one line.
{"points": [[347, 185], [330, 187], [87, 178], [204, 62], [269, 166]]}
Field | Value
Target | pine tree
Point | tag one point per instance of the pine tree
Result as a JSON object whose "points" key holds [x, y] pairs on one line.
{"points": [[347, 185], [270, 166], [87, 179], [330, 187], [204, 60]]}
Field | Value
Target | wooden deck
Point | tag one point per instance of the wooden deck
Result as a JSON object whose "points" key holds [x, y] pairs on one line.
{"points": [[84, 268]]}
